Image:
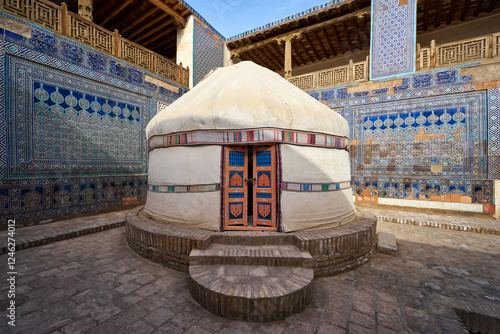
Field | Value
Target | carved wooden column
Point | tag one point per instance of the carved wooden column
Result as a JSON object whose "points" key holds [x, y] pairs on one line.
{"points": [[85, 9], [288, 52]]}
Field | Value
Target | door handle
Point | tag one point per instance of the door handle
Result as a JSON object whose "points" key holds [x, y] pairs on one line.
{"points": [[251, 180]]}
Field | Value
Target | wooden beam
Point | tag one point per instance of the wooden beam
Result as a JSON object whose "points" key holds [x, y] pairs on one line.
{"points": [[312, 47], [276, 67], [465, 10], [321, 46], [329, 42], [426, 15], [479, 7], [160, 35], [147, 25], [256, 59], [491, 6], [160, 4], [302, 60], [366, 27], [115, 12], [154, 30], [339, 41], [365, 11], [276, 50], [452, 11], [282, 56], [305, 51], [437, 23], [273, 57], [358, 35], [346, 33], [139, 19], [164, 43]]}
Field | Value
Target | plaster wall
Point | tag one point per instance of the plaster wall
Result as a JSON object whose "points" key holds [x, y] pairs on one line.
{"points": [[185, 47]]}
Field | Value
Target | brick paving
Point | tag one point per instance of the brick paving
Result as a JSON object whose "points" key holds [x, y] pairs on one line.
{"points": [[96, 284]]}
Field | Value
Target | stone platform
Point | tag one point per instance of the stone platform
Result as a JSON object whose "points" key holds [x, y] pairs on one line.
{"points": [[332, 250], [256, 276]]}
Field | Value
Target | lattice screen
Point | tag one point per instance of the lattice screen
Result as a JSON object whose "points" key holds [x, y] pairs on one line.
{"points": [[88, 33], [162, 106], [425, 58], [304, 82], [45, 14], [463, 51]]}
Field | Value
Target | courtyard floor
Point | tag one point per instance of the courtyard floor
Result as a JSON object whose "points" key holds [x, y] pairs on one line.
{"points": [[96, 284]]}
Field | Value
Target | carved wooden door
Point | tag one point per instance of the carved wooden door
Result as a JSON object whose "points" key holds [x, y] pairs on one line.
{"points": [[250, 188], [236, 197], [264, 188]]}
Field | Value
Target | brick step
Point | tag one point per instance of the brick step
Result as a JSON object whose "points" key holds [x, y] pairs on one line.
{"points": [[251, 293], [253, 238], [266, 255]]}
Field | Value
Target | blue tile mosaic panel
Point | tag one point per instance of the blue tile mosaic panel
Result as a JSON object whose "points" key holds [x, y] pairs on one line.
{"points": [[74, 122], [208, 52], [408, 139], [61, 124], [494, 134], [39, 198], [393, 35]]}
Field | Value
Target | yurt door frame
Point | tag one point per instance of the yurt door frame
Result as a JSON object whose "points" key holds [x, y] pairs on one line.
{"points": [[250, 202]]}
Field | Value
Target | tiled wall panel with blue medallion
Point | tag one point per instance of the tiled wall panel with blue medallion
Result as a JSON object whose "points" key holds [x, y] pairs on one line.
{"points": [[72, 123], [433, 137]]}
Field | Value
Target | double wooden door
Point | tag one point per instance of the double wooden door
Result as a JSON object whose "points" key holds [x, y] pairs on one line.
{"points": [[250, 188]]}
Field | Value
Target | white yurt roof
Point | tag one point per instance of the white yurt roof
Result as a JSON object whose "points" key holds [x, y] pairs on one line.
{"points": [[246, 96]]}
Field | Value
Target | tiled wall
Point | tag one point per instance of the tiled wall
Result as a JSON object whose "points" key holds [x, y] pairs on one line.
{"points": [[72, 125], [393, 38], [431, 138], [208, 51]]}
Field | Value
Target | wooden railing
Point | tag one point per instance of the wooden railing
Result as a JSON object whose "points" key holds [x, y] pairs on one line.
{"points": [[463, 51], [59, 20], [354, 72]]}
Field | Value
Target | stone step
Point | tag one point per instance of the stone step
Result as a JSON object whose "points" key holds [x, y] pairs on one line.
{"points": [[251, 293], [266, 255]]}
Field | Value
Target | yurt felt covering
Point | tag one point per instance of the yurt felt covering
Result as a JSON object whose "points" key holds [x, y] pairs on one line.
{"points": [[186, 142]]}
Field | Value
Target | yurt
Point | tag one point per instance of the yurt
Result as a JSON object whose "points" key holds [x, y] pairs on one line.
{"points": [[247, 150]]}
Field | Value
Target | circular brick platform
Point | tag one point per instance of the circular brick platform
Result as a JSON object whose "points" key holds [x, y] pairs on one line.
{"points": [[252, 276], [251, 293], [333, 250]]}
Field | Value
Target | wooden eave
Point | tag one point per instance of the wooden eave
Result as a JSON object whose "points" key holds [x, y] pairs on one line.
{"points": [[437, 14], [346, 28], [325, 34]]}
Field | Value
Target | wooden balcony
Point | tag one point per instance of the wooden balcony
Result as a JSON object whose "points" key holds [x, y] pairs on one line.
{"points": [[341, 75], [59, 20], [484, 49]]}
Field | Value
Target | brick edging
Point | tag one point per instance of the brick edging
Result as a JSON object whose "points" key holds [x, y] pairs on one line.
{"points": [[60, 235], [440, 225]]}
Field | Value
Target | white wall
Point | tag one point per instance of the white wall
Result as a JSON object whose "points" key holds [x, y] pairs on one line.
{"points": [[185, 47]]}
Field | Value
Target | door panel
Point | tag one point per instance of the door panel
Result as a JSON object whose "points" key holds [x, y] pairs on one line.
{"points": [[264, 188], [235, 201]]}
